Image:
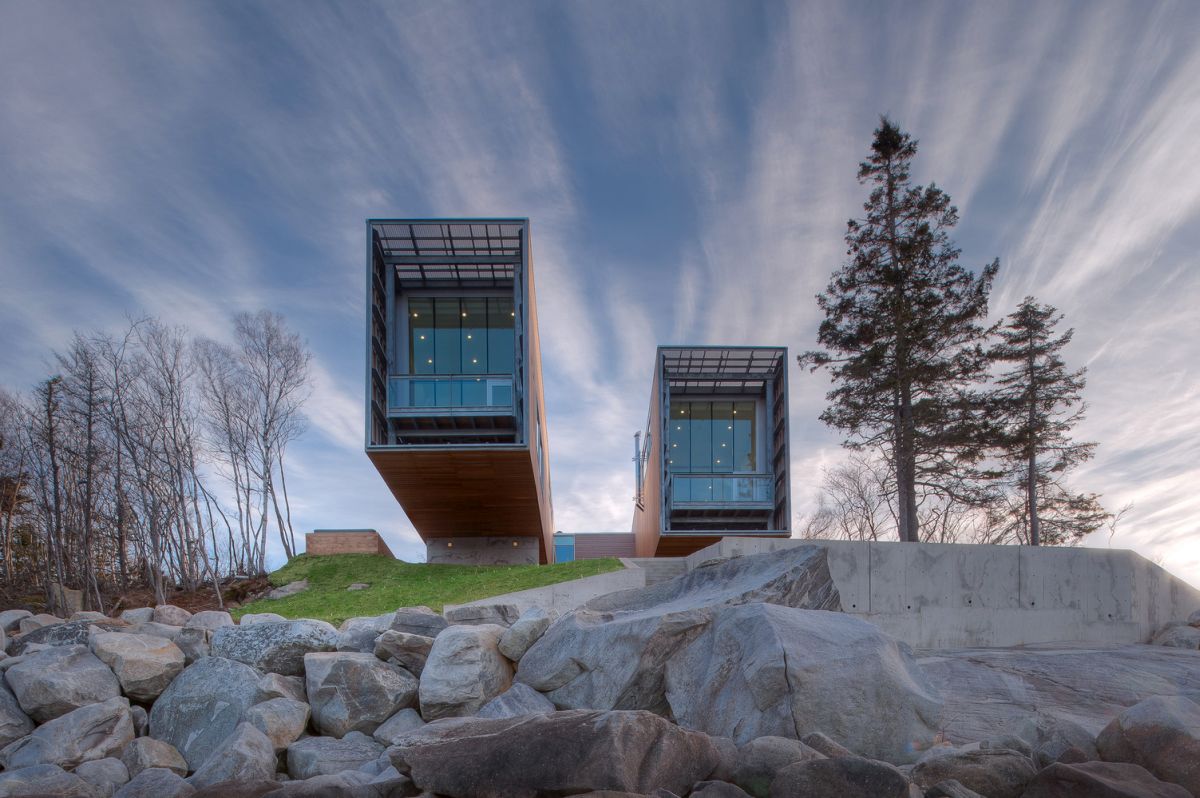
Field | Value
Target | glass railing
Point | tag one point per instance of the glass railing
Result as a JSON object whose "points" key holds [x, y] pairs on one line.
{"points": [[483, 391], [722, 488]]}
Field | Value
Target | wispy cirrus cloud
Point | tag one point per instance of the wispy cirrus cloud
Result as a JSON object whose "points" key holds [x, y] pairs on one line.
{"points": [[688, 169]]}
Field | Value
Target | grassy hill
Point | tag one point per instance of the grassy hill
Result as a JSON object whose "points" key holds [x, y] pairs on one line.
{"points": [[394, 583]]}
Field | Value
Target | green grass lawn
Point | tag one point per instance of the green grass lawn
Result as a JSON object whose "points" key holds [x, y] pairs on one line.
{"points": [[396, 584]]}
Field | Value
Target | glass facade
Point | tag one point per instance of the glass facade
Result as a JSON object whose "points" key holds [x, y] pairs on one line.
{"points": [[713, 438], [458, 335], [459, 342], [710, 439]]}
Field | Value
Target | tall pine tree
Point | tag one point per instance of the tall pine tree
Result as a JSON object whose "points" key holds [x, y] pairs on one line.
{"points": [[1038, 401], [903, 333]]}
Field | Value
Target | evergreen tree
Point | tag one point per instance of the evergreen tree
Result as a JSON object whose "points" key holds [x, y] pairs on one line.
{"points": [[903, 333], [1038, 402]]}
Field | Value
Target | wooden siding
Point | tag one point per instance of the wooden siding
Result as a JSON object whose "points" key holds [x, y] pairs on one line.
{"points": [[449, 493], [647, 516], [596, 545], [682, 544], [536, 398], [348, 542]]}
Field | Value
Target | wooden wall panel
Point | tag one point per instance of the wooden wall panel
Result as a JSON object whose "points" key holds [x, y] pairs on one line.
{"points": [[536, 397], [647, 517], [466, 493], [591, 546], [677, 545]]}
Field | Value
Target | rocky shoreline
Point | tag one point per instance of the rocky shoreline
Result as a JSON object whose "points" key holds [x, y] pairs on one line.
{"points": [[742, 677]]}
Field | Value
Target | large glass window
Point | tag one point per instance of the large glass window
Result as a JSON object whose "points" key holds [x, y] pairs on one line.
{"points": [[460, 335], [712, 438]]}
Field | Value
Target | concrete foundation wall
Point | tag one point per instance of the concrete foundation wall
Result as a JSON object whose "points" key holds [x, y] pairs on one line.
{"points": [[939, 595], [483, 551], [566, 596]]}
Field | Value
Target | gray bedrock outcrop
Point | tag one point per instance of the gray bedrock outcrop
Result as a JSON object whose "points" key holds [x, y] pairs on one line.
{"points": [[557, 754], [988, 693], [761, 669], [612, 652]]}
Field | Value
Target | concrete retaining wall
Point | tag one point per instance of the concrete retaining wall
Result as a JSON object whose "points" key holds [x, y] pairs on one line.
{"points": [[482, 551], [566, 596], [939, 595]]}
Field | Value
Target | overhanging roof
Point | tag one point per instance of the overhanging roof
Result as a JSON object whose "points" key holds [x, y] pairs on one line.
{"points": [[721, 369], [437, 252]]}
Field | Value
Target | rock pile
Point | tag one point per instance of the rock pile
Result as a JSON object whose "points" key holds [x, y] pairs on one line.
{"points": [[740, 678]]}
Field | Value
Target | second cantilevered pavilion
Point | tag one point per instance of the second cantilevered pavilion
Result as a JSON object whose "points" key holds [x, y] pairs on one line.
{"points": [[713, 459]]}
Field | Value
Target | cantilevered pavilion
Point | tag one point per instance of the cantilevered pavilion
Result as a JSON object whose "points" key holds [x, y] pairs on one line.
{"points": [[456, 421], [713, 460]]}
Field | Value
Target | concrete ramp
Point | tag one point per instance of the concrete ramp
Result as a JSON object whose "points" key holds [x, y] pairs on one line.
{"points": [[948, 595]]}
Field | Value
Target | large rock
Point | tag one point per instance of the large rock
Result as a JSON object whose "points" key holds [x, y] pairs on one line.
{"points": [[1056, 739], [476, 614], [350, 691], [274, 647], [524, 632], [144, 664], [138, 615], [105, 776], [195, 642], [31, 623], [845, 777], [321, 756], [557, 754], [990, 692], [290, 589], [67, 633], [283, 720], [464, 671], [398, 725], [418, 621], [146, 752], [252, 618], [358, 634], [759, 761], [92, 732], [171, 615], [203, 706], [762, 669], [10, 619], [612, 652], [409, 651], [1162, 734], [43, 781], [155, 783], [14, 723], [209, 619], [1100, 780], [245, 755], [994, 772], [1179, 637], [55, 681], [518, 700], [166, 630], [272, 685]]}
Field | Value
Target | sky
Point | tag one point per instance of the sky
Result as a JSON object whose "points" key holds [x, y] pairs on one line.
{"points": [[688, 169]]}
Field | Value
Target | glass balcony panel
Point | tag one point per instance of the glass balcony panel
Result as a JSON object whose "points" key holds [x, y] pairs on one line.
{"points": [[722, 489], [491, 392]]}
